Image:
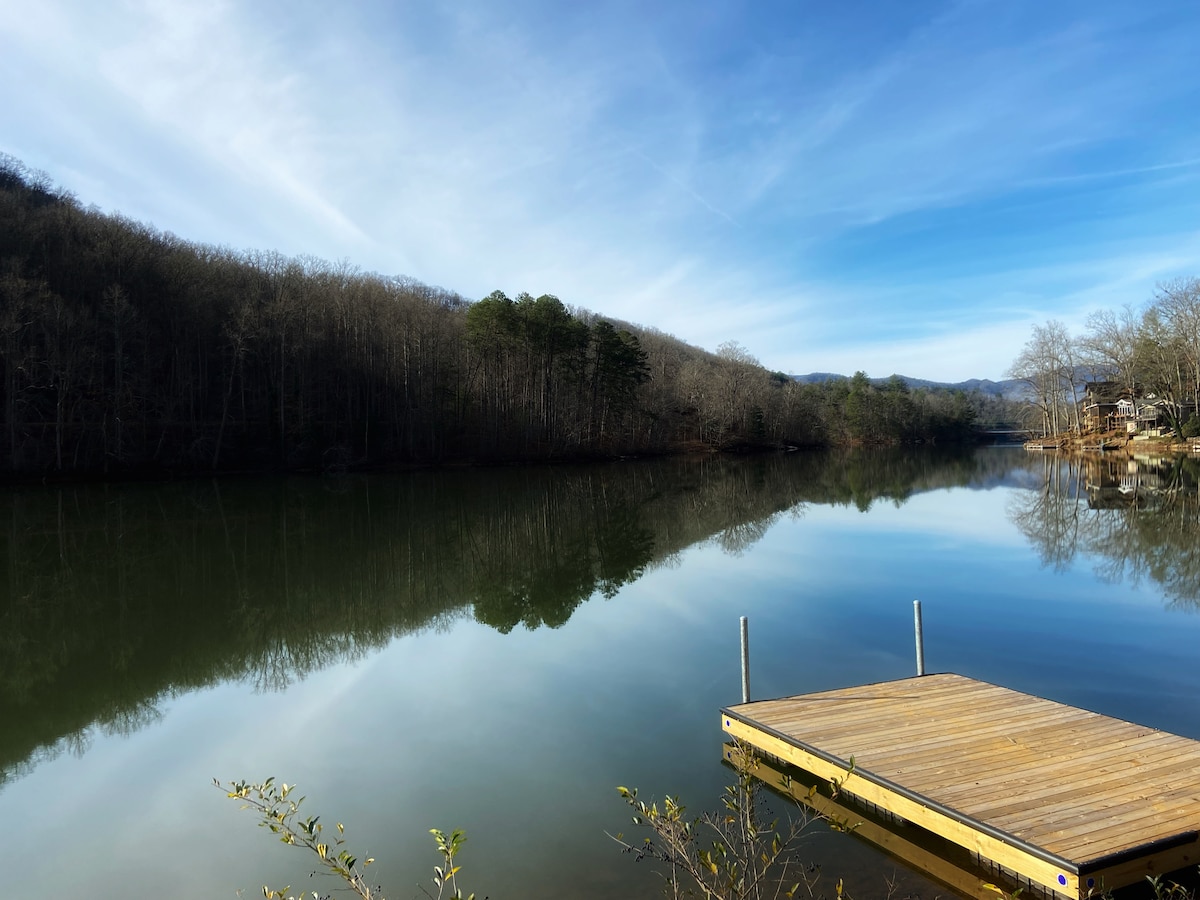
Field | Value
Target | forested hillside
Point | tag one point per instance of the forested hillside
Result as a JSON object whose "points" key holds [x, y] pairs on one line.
{"points": [[128, 350]]}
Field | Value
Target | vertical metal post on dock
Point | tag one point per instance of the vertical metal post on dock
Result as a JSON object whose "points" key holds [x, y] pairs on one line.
{"points": [[745, 660], [920, 637]]}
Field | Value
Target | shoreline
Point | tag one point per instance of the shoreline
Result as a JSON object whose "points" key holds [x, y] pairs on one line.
{"points": [[1122, 445]]}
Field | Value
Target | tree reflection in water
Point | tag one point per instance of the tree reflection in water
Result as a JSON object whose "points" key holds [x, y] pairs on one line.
{"points": [[115, 597], [1138, 518]]}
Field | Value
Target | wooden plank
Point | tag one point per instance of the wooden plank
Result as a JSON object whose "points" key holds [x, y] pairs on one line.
{"points": [[1108, 780], [909, 850], [932, 728], [932, 734], [911, 710], [857, 712], [1042, 871], [1047, 736], [991, 791], [939, 700], [1074, 797], [1032, 785], [1129, 828], [977, 729], [989, 773], [999, 791], [1103, 748], [1137, 869]]}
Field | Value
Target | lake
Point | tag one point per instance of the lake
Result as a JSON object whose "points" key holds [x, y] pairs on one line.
{"points": [[496, 650]]}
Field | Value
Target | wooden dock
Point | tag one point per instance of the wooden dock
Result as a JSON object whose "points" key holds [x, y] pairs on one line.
{"points": [[918, 849], [1066, 799]]}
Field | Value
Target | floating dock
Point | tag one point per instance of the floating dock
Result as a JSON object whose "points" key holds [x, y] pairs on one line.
{"points": [[1065, 799], [918, 849]]}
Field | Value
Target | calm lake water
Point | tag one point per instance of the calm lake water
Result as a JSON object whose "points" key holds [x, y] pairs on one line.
{"points": [[496, 650]]}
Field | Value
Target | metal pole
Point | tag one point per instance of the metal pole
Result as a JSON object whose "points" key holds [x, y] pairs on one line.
{"points": [[920, 637], [745, 660]]}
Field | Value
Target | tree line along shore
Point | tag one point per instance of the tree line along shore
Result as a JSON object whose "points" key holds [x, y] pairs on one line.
{"points": [[128, 351], [1131, 372]]}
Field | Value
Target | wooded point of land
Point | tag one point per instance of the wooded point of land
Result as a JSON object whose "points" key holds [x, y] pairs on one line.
{"points": [[126, 350]]}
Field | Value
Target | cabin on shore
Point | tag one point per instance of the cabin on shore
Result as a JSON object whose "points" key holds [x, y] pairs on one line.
{"points": [[1111, 406]]}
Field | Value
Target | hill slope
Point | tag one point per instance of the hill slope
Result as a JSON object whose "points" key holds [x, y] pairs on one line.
{"points": [[1009, 389]]}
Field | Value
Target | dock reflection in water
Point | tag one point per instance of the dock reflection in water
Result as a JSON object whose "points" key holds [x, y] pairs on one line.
{"points": [[913, 847]]}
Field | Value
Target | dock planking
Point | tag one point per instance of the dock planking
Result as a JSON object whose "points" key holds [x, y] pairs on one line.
{"points": [[1068, 799]]}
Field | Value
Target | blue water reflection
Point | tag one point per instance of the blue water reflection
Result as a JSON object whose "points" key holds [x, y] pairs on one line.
{"points": [[521, 737]]}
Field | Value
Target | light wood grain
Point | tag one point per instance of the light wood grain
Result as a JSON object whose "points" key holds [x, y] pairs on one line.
{"points": [[1073, 783]]}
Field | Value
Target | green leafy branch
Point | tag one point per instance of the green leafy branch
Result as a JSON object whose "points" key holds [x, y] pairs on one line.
{"points": [[280, 813], [735, 853], [444, 877]]}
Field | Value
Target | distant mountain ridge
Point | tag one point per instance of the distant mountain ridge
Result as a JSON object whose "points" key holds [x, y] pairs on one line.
{"points": [[1010, 389]]}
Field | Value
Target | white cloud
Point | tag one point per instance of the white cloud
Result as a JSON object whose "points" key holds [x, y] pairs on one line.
{"points": [[784, 184]]}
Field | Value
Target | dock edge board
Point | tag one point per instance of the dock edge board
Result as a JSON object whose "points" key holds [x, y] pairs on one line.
{"points": [[1047, 869], [1034, 863], [892, 836]]}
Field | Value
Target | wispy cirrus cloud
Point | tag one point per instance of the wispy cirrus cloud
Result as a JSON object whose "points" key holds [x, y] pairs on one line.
{"points": [[901, 186]]}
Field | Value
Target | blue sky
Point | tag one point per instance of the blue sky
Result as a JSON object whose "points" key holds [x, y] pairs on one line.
{"points": [[888, 186]]}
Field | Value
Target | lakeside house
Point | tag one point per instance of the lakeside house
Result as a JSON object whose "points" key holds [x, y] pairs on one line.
{"points": [[1106, 404], [1109, 406]]}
